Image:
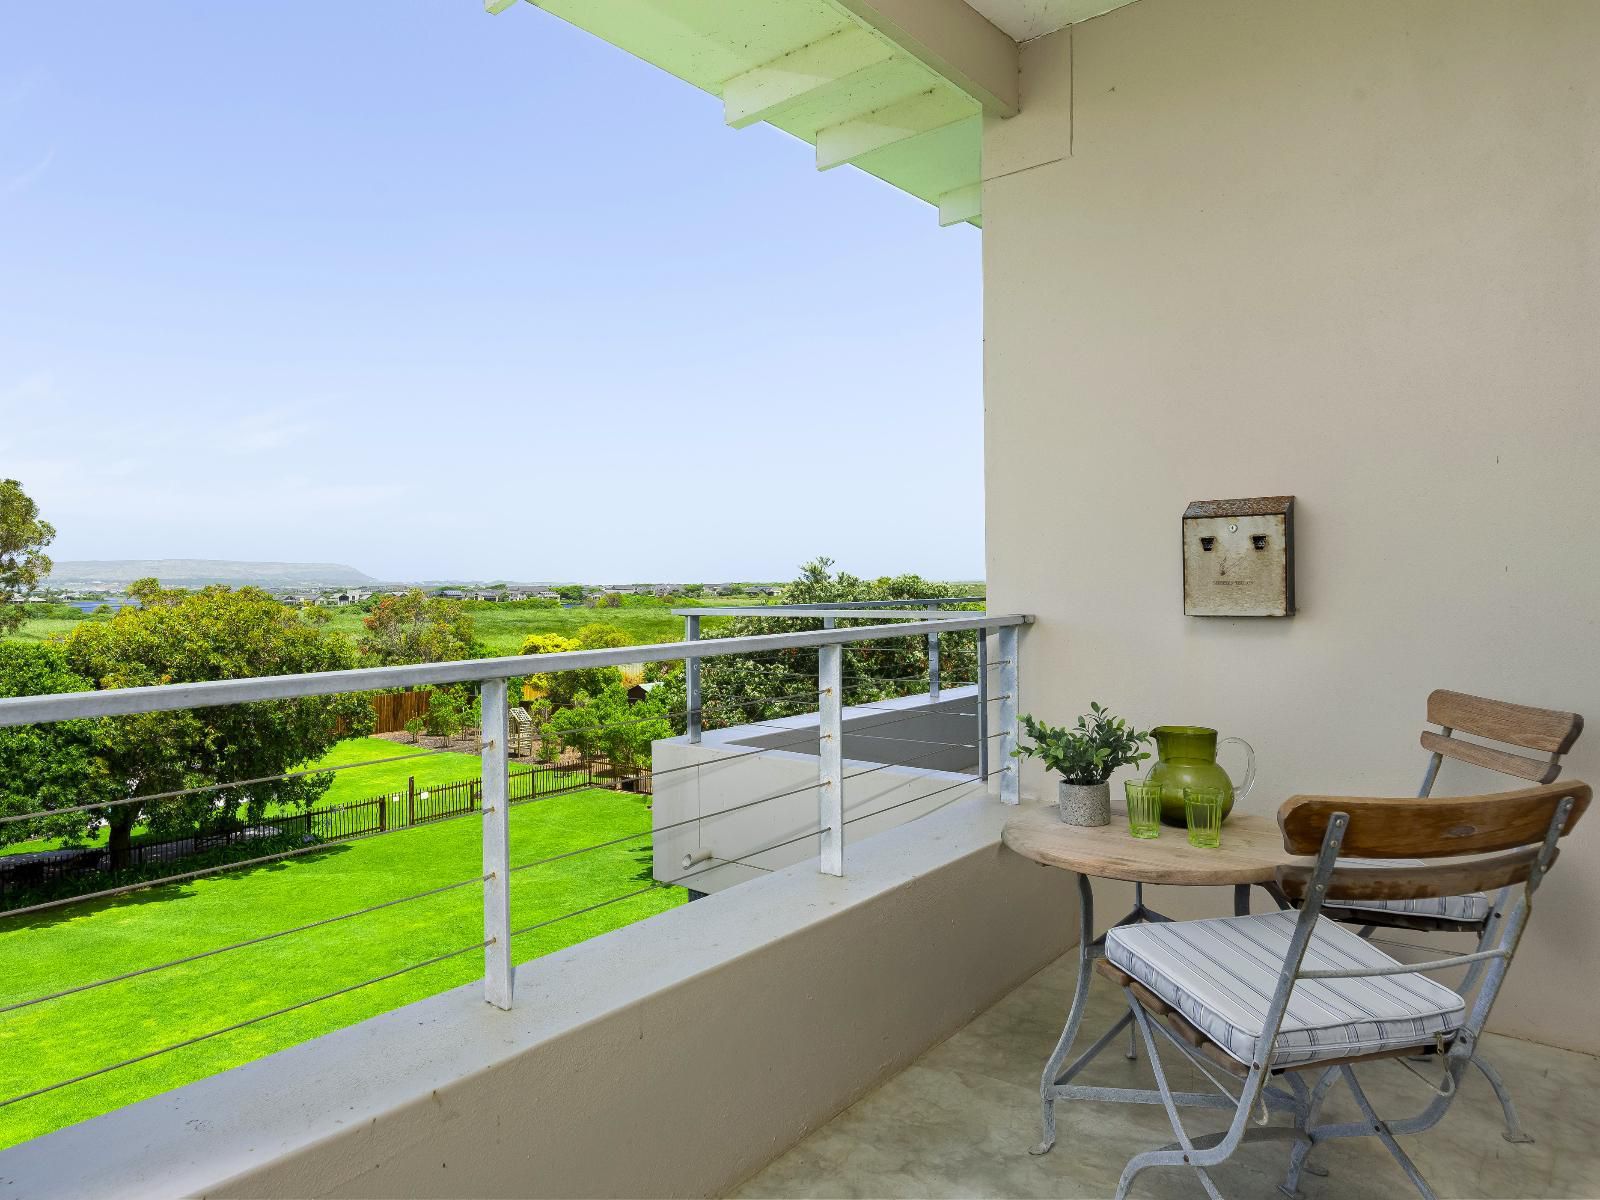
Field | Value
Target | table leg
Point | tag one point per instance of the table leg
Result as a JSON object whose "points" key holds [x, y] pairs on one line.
{"points": [[1241, 899], [1080, 995]]}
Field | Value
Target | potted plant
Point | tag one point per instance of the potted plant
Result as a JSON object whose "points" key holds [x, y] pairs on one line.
{"points": [[1085, 756]]}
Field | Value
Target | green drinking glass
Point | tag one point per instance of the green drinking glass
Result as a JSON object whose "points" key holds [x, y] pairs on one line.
{"points": [[1202, 810], [1144, 808]]}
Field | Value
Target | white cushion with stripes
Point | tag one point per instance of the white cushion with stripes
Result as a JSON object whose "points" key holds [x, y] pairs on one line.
{"points": [[1471, 907], [1221, 974]]}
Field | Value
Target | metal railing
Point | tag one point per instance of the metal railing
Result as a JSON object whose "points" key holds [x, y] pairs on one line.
{"points": [[492, 676], [829, 614]]}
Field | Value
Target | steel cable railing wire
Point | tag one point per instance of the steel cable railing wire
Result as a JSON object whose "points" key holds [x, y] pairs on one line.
{"points": [[202, 789], [244, 1024], [179, 793], [917, 799], [255, 941], [657, 885], [810, 735], [657, 829], [185, 876], [281, 1011], [232, 784]]}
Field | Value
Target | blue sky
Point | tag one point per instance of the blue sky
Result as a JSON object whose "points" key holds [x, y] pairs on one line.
{"points": [[439, 294]]}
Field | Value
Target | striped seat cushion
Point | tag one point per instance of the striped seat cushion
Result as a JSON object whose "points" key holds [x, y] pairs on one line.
{"points": [[1469, 908], [1221, 975]]}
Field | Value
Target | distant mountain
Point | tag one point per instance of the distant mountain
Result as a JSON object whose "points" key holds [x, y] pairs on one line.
{"points": [[197, 572]]}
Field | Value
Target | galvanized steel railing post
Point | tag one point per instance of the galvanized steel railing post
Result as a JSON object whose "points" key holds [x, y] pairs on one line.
{"points": [[830, 765], [933, 659], [983, 704], [497, 975], [691, 672], [1006, 719]]}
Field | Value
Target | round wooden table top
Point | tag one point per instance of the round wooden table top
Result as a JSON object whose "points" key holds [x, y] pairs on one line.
{"points": [[1251, 851]]}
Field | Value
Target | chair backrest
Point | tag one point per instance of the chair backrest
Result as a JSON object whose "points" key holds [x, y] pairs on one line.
{"points": [[1545, 730], [1508, 828]]}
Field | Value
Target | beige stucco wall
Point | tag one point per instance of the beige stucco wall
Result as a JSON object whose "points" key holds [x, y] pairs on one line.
{"points": [[1345, 250]]}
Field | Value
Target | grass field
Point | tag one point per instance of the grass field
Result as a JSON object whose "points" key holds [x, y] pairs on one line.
{"points": [[502, 627], [60, 1039], [42, 629]]}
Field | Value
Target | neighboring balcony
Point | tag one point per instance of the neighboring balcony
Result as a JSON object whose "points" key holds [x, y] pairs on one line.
{"points": [[902, 758]]}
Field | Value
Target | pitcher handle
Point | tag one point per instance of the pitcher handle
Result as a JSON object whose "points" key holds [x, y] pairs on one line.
{"points": [[1241, 790]]}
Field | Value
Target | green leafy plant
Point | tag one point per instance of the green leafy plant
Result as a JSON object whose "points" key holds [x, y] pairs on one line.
{"points": [[1088, 752]]}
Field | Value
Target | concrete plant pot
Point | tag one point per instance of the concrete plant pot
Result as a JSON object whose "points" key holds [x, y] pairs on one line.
{"points": [[1084, 803]]}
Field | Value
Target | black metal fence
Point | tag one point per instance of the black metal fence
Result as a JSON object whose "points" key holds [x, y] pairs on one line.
{"points": [[332, 823]]}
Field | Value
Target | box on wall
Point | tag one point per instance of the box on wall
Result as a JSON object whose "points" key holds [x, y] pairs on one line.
{"points": [[1238, 557]]}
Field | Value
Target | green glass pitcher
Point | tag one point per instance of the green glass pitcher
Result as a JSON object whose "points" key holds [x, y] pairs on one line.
{"points": [[1186, 756]]}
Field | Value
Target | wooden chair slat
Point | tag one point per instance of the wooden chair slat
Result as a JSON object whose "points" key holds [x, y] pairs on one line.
{"points": [[1545, 729], [1452, 878], [1537, 769], [1430, 826]]}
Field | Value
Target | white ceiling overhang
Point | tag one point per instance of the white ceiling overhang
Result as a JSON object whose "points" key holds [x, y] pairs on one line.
{"points": [[1024, 20], [896, 88]]}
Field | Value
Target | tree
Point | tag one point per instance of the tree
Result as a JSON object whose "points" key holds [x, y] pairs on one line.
{"points": [[599, 636], [451, 709], [50, 766], [177, 636], [415, 628], [562, 688], [23, 562], [606, 725]]}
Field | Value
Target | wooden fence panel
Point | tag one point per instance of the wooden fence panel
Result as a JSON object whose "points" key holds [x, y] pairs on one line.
{"points": [[391, 710]]}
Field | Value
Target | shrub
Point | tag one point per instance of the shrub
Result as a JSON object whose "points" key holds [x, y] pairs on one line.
{"points": [[1088, 752]]}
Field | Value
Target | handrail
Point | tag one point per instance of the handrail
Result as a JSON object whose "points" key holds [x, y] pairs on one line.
{"points": [[811, 612], [113, 702], [815, 610]]}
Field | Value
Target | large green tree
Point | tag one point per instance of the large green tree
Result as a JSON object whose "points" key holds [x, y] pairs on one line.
{"points": [[562, 689], [176, 636], [56, 765], [23, 562], [416, 628], [606, 725], [745, 688]]}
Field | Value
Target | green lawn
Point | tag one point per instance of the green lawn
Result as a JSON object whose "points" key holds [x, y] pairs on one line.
{"points": [[85, 942], [42, 629], [363, 783], [502, 627]]}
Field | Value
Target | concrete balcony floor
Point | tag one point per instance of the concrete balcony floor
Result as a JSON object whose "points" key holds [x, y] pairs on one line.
{"points": [[959, 1122]]}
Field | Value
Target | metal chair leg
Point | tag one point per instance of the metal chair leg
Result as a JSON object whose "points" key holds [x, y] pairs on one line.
{"points": [[1381, 1129], [1302, 1150], [1514, 1131], [1161, 1158]]}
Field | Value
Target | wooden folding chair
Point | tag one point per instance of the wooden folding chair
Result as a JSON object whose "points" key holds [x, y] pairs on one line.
{"points": [[1542, 730], [1271, 996]]}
